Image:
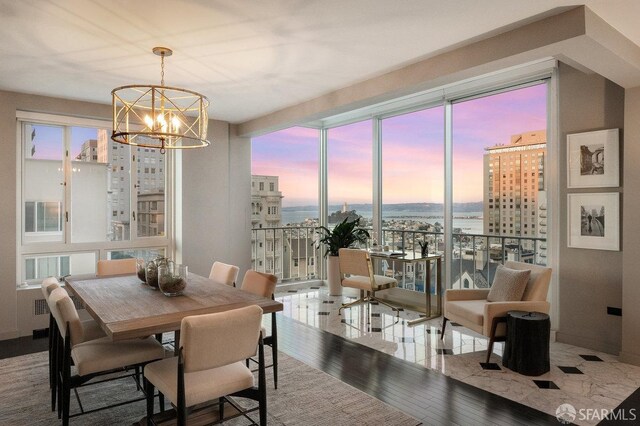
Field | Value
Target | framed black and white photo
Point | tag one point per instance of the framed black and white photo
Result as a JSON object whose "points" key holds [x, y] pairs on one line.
{"points": [[593, 159], [594, 221]]}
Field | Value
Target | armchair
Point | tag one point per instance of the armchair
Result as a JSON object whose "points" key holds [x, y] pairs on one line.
{"points": [[471, 309]]}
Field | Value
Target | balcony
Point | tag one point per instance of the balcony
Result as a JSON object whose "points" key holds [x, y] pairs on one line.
{"points": [[474, 257]]}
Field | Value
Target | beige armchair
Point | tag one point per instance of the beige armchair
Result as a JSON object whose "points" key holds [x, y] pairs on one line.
{"points": [[471, 309]]}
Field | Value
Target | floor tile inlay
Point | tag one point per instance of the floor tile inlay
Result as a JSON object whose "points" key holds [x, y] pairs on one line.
{"points": [[546, 384], [490, 366], [591, 358], [570, 370]]}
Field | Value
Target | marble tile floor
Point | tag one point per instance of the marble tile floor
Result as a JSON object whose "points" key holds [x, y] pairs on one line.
{"points": [[581, 377]]}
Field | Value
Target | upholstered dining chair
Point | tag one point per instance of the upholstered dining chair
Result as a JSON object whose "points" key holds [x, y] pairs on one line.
{"points": [[518, 286], [224, 273], [90, 331], [210, 364], [116, 267], [356, 271], [48, 285], [264, 285], [92, 358]]}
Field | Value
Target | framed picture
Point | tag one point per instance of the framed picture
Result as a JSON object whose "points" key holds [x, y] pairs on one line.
{"points": [[593, 159], [594, 221]]}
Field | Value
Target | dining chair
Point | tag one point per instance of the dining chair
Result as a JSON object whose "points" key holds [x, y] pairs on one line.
{"points": [[356, 271], [92, 358], [264, 285], [116, 267], [90, 331], [209, 365], [224, 273], [48, 285]]}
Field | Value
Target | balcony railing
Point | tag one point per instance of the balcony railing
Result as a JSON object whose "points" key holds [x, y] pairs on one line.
{"points": [[287, 252], [290, 253]]}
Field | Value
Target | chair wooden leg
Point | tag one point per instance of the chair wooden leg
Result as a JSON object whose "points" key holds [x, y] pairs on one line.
{"points": [[66, 378], [274, 349], [262, 385], [492, 336], [221, 407], [444, 325], [149, 389], [54, 370]]}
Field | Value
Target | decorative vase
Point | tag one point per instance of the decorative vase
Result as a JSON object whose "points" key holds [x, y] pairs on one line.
{"points": [[151, 272], [333, 276], [141, 270], [172, 278]]}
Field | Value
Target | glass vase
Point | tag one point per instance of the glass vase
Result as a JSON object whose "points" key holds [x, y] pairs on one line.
{"points": [[172, 279]]}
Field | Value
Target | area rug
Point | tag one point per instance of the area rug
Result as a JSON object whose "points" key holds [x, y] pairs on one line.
{"points": [[305, 396]]}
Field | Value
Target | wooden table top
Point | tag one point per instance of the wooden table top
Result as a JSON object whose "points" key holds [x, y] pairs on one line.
{"points": [[126, 308]]}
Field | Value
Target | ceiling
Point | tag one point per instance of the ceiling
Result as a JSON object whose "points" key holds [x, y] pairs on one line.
{"points": [[248, 57]]}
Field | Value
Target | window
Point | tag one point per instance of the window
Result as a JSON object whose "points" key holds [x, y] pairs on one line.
{"points": [[76, 189], [272, 186], [261, 186], [42, 216]]}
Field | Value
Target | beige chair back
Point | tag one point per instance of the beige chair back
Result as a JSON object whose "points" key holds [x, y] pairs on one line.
{"points": [[223, 273], [48, 285], [116, 267], [538, 284], [355, 262], [259, 283], [64, 311], [213, 340]]}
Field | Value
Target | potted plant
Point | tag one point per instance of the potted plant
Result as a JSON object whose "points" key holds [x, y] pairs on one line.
{"points": [[345, 235]]}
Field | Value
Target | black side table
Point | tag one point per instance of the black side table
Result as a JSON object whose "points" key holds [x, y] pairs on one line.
{"points": [[526, 350]]}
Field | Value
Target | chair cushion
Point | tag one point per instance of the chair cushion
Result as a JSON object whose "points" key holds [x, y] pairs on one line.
{"points": [[200, 386], [363, 283], [508, 285], [470, 310], [102, 354]]}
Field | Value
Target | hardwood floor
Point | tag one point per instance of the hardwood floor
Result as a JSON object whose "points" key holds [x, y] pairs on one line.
{"points": [[425, 394]]}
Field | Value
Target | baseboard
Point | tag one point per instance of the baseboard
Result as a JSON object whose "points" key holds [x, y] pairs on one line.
{"points": [[630, 358], [552, 336], [587, 342], [6, 335]]}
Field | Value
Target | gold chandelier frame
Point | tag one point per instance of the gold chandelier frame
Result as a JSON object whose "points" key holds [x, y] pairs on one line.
{"points": [[158, 116]]}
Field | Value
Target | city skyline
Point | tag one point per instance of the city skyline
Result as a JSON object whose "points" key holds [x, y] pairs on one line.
{"points": [[292, 154]]}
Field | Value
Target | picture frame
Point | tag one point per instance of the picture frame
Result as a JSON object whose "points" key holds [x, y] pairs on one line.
{"points": [[593, 159], [587, 227]]}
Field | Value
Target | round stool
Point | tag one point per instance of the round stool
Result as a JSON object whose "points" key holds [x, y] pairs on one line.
{"points": [[526, 350]]}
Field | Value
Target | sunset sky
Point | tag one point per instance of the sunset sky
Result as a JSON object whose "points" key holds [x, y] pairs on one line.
{"points": [[412, 151]]}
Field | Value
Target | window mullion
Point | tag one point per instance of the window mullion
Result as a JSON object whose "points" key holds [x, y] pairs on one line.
{"points": [[67, 168]]}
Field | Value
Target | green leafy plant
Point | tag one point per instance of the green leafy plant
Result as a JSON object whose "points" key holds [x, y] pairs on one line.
{"points": [[344, 235]]}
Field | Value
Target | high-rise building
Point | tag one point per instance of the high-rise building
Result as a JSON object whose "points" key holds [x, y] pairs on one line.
{"points": [[266, 212], [514, 177]]}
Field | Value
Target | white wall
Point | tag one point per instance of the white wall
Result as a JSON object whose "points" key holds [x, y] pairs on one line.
{"points": [[215, 205]]}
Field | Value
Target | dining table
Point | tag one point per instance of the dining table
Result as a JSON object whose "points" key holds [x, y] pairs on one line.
{"points": [[127, 308]]}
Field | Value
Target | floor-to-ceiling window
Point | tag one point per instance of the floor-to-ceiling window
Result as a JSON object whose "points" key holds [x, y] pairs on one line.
{"points": [[349, 172], [284, 202], [393, 170], [499, 197]]}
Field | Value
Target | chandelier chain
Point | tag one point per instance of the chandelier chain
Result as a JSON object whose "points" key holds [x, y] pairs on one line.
{"points": [[162, 69]]}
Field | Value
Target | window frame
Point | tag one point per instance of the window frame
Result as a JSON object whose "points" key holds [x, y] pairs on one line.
{"points": [[64, 247]]}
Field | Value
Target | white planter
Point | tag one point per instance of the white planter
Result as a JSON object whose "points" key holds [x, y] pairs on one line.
{"points": [[333, 276]]}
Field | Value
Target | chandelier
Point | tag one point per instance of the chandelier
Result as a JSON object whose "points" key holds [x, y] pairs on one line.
{"points": [[159, 117]]}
